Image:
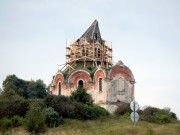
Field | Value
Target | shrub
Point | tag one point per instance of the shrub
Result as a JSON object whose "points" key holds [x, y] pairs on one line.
{"points": [[150, 111], [172, 115], [162, 118], [52, 117], [36, 103], [17, 121], [10, 104], [100, 111], [61, 104], [123, 109], [156, 115], [24, 107], [80, 95], [85, 112], [35, 120], [126, 115], [68, 109], [53, 100], [5, 124], [149, 118]]}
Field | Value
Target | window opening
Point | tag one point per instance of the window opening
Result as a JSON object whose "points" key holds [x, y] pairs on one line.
{"points": [[80, 84], [99, 53], [100, 84], [59, 88]]}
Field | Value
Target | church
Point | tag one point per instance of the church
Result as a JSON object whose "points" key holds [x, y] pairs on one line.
{"points": [[89, 65]]}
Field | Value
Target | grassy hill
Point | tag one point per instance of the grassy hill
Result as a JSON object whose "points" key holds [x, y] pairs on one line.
{"points": [[108, 126]]}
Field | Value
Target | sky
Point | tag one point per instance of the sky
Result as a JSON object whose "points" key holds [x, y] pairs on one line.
{"points": [[145, 35]]}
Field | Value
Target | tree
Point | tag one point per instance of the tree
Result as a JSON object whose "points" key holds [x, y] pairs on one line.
{"points": [[52, 117], [0, 90], [80, 95], [11, 104], [35, 120], [18, 85], [26, 89], [36, 89]]}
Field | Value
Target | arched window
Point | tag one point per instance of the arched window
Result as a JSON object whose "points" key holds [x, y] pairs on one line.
{"points": [[81, 84], [59, 88], [100, 84]]}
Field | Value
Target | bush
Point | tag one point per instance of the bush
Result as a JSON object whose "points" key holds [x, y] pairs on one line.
{"points": [[86, 112], [35, 120], [61, 104], [126, 115], [83, 112], [5, 124], [123, 109], [100, 111], [24, 107], [53, 100], [17, 121], [36, 103], [80, 95], [150, 111], [68, 109], [162, 118], [11, 104], [52, 117], [156, 115], [149, 118], [172, 115]]}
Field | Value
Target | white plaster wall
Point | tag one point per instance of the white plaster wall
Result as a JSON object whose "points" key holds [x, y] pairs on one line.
{"points": [[110, 107], [113, 95]]}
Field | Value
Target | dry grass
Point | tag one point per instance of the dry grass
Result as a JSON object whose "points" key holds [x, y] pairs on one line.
{"points": [[108, 126]]}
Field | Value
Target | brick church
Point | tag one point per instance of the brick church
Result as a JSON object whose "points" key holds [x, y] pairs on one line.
{"points": [[89, 65]]}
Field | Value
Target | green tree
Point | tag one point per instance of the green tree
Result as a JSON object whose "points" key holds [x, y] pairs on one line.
{"points": [[35, 120], [27, 89], [11, 104], [0, 90], [80, 95], [52, 117], [18, 85], [36, 89]]}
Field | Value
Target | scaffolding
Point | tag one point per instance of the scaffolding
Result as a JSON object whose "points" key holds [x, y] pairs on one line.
{"points": [[98, 54]]}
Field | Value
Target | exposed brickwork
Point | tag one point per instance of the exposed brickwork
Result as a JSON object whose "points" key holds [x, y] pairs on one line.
{"points": [[80, 75], [98, 74], [120, 70], [92, 86], [58, 78]]}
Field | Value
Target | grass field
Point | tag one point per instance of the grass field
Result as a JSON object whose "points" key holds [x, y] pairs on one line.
{"points": [[108, 126]]}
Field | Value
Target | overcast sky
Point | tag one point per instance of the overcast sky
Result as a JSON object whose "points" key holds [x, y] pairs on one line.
{"points": [[145, 35]]}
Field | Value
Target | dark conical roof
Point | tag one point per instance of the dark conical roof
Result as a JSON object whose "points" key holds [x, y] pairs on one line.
{"points": [[92, 34]]}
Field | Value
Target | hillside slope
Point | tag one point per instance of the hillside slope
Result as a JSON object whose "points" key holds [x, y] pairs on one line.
{"points": [[109, 126]]}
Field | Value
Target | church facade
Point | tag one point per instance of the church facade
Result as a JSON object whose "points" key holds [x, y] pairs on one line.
{"points": [[89, 65]]}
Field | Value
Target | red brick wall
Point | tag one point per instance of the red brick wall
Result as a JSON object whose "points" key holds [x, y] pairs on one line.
{"points": [[80, 75], [98, 74], [120, 70], [58, 78]]}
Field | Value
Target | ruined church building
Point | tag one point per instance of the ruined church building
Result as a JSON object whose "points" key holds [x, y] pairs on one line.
{"points": [[89, 65]]}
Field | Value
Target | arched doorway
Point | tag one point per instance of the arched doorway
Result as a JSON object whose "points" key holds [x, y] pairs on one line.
{"points": [[80, 84]]}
